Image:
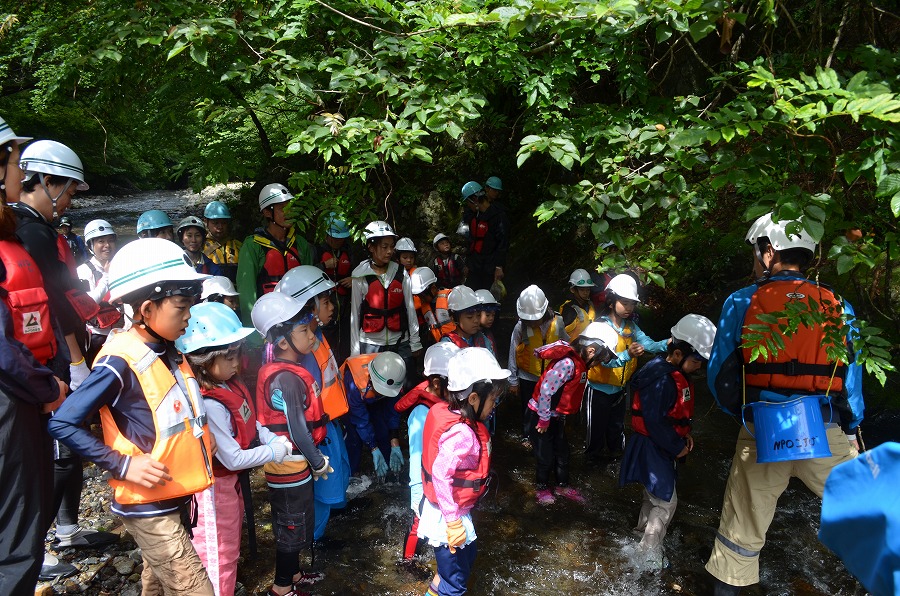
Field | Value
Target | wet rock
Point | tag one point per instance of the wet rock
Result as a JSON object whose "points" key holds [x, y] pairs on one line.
{"points": [[131, 590], [240, 589], [73, 587], [135, 578], [91, 561], [136, 555], [43, 590], [124, 565]]}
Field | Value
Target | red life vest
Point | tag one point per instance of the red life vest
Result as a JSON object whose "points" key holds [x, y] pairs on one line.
{"points": [[64, 251], [274, 419], [467, 485], [237, 399], [447, 272], [25, 297], [567, 399], [281, 257], [384, 306], [108, 316], [343, 269], [803, 364], [478, 231], [477, 340], [417, 396], [679, 414]]}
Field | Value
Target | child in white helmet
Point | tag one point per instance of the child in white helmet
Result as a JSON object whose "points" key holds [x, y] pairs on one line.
{"points": [[156, 443], [423, 284], [212, 345], [448, 266], [465, 309], [311, 285], [100, 238], [605, 396], [538, 326], [490, 310], [456, 458], [578, 312], [662, 407], [406, 253], [219, 288], [289, 403], [418, 401]]}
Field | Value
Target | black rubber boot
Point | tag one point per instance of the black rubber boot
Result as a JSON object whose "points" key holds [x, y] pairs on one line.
{"points": [[720, 588]]}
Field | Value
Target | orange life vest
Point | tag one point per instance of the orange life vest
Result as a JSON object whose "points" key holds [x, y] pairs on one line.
{"points": [[681, 412], [532, 340], [567, 399], [25, 297], [236, 398], [803, 364], [359, 370], [334, 395], [617, 377], [442, 312], [276, 420], [179, 417], [467, 485], [384, 306]]}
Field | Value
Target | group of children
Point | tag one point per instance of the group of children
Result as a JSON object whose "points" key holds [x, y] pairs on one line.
{"points": [[180, 426]]}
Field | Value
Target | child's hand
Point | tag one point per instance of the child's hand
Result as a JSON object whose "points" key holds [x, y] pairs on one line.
{"points": [[690, 442], [635, 349], [213, 446], [514, 390], [53, 406], [346, 282], [456, 535], [147, 472]]}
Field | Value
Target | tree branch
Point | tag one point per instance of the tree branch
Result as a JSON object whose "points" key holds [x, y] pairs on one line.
{"points": [[837, 37], [708, 67], [263, 136]]}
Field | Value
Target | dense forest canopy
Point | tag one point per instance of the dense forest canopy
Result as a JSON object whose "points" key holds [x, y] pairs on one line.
{"points": [[654, 129]]}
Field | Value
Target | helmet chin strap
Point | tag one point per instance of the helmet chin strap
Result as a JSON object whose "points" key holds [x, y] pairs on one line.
{"points": [[53, 199]]}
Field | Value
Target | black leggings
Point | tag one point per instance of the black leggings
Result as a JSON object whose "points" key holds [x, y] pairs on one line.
{"points": [[605, 415], [67, 482], [551, 451]]}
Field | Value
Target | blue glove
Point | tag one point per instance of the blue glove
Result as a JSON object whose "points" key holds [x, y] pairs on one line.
{"points": [[381, 467], [396, 459]]}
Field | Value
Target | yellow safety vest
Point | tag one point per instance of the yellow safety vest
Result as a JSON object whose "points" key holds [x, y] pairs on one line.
{"points": [[179, 417], [582, 320], [222, 254], [616, 376], [525, 358]]}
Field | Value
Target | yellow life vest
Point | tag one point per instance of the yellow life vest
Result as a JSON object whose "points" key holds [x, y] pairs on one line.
{"points": [[525, 358], [334, 394], [222, 254], [582, 320], [179, 417], [616, 376]]}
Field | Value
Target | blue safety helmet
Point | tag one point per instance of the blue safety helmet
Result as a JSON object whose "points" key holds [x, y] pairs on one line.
{"points": [[152, 220], [216, 210], [336, 227], [212, 325], [494, 182], [471, 188]]}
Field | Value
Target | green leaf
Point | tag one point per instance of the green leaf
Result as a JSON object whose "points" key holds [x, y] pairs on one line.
{"points": [[179, 47], [895, 205], [889, 185], [689, 138], [700, 29], [657, 279], [198, 55], [844, 264]]}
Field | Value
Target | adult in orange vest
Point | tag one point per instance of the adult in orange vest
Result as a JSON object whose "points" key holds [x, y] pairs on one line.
{"points": [[783, 249], [156, 441]]}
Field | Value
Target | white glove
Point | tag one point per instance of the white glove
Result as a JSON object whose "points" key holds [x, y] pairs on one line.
{"points": [[279, 450], [78, 373], [324, 471]]}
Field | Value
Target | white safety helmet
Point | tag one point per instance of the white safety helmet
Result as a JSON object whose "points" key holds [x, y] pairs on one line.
{"points": [[190, 221], [485, 298], [462, 298], [217, 285], [532, 304], [776, 232], [405, 245], [623, 286], [150, 263], [272, 194], [421, 278], [273, 309], [378, 229], [698, 331], [580, 278], [437, 358], [387, 372], [304, 283], [53, 158], [471, 365], [97, 228], [438, 238], [601, 333], [7, 134]]}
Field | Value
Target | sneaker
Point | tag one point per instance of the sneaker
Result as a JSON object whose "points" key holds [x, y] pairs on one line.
{"points": [[573, 494], [53, 569], [308, 578], [292, 592], [545, 497], [85, 538]]}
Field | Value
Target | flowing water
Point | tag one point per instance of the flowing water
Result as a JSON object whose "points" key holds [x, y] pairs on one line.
{"points": [[564, 548]]}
